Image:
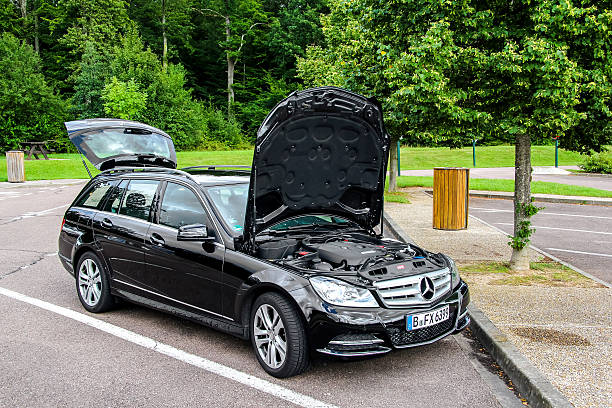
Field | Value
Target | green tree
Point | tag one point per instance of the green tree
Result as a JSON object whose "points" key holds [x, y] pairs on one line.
{"points": [[123, 99], [405, 54], [239, 20], [93, 74], [29, 108], [165, 25]]}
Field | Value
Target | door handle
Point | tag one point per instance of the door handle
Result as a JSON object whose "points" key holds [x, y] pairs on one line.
{"points": [[156, 239], [107, 223]]}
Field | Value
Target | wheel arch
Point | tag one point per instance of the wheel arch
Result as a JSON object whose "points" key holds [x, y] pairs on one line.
{"points": [[248, 299], [80, 250]]}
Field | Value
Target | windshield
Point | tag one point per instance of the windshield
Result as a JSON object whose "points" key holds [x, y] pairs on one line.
{"points": [[308, 220], [231, 202]]}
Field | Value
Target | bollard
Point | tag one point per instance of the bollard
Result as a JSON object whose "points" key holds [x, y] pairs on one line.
{"points": [[450, 198], [15, 169]]}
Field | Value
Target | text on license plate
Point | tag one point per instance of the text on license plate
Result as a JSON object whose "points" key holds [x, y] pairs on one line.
{"points": [[426, 319]]}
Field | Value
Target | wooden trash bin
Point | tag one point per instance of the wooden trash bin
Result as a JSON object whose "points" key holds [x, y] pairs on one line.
{"points": [[15, 169], [450, 198]]}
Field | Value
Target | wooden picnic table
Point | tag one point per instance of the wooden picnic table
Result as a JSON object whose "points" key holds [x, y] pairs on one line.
{"points": [[33, 148]]}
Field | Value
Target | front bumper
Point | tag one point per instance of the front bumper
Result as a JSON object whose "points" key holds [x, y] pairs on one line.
{"points": [[347, 332]]}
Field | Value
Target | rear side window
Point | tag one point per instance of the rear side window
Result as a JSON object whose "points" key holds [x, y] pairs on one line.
{"points": [[95, 195], [180, 207], [114, 197], [138, 198]]}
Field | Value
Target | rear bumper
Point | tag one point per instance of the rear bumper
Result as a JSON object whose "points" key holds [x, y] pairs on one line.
{"points": [[348, 332], [66, 263]]}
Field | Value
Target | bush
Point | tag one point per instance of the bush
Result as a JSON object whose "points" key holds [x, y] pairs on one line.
{"points": [[220, 131], [598, 163]]}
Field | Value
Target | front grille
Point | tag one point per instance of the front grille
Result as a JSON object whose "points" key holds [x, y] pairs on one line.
{"points": [[401, 337], [407, 292]]}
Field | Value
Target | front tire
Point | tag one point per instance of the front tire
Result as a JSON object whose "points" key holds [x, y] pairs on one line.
{"points": [[278, 336], [92, 284]]}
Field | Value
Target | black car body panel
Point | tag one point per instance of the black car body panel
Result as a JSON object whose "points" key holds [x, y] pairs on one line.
{"points": [[319, 150], [132, 219]]}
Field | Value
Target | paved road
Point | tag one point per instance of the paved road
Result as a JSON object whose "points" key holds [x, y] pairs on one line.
{"points": [[56, 354], [578, 234], [539, 174]]}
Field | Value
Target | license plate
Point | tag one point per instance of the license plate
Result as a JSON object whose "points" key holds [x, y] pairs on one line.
{"points": [[426, 319]]}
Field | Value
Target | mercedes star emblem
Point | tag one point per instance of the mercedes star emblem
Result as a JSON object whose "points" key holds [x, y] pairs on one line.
{"points": [[427, 288]]}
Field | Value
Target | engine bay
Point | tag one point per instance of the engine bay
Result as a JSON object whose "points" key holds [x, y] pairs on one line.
{"points": [[349, 254]]}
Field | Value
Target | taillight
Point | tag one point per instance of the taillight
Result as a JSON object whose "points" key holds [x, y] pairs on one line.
{"points": [[63, 221]]}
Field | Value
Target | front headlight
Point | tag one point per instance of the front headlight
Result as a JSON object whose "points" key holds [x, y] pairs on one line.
{"points": [[455, 278], [339, 293]]}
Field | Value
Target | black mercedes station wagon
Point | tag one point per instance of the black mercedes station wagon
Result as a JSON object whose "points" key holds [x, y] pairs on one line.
{"points": [[288, 254]]}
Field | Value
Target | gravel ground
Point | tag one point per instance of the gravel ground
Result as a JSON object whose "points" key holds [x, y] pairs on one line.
{"points": [[566, 332]]}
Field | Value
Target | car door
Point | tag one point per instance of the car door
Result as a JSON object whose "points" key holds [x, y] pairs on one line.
{"points": [[188, 272], [120, 229]]}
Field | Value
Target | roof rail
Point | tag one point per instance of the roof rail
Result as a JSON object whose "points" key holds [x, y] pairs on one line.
{"points": [[147, 169], [216, 166]]}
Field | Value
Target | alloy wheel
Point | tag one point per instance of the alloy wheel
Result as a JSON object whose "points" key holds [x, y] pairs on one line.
{"points": [[270, 336], [90, 282]]}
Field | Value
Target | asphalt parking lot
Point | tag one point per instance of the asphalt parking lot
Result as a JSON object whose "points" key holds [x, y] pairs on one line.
{"points": [[577, 234], [54, 353]]}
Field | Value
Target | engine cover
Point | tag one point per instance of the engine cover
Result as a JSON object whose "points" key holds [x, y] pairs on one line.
{"points": [[349, 253]]}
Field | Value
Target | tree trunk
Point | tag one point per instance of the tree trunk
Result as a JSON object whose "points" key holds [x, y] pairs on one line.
{"points": [[393, 166], [231, 65], [165, 38], [23, 6], [36, 46], [522, 197]]}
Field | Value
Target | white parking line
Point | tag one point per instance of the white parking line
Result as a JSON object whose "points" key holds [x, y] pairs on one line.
{"points": [[559, 229], [37, 213], [165, 349], [579, 252], [494, 210]]}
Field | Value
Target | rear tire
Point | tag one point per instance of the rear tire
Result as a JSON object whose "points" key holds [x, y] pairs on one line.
{"points": [[92, 284], [278, 336]]}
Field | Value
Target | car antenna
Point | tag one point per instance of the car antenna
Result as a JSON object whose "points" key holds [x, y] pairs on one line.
{"points": [[85, 164]]}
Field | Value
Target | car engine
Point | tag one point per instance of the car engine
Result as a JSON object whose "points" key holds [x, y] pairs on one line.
{"points": [[352, 253]]}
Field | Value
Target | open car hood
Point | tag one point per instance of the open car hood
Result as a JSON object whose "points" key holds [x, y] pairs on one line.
{"points": [[321, 150], [109, 143]]}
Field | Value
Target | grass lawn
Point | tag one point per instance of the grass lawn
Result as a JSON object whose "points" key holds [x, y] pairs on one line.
{"points": [[415, 158], [540, 274], [70, 166], [539, 187]]}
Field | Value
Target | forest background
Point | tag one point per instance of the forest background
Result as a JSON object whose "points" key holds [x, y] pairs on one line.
{"points": [[208, 71]]}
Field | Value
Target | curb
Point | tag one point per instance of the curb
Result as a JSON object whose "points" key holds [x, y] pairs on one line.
{"points": [[602, 175], [43, 183], [542, 198], [392, 228], [538, 391], [528, 379]]}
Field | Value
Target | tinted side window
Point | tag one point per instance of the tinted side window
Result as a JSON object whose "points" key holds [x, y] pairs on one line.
{"points": [[95, 195], [114, 197], [180, 207], [138, 198]]}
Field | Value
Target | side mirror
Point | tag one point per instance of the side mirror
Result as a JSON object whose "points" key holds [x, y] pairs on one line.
{"points": [[193, 232]]}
